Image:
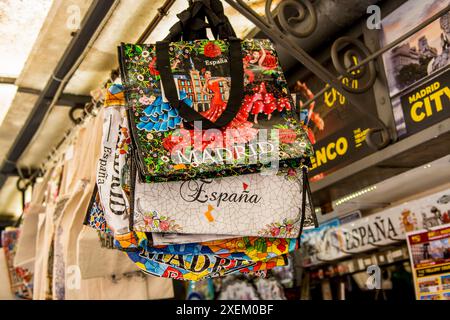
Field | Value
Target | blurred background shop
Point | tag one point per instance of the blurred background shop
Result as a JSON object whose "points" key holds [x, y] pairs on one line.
{"points": [[383, 204]]}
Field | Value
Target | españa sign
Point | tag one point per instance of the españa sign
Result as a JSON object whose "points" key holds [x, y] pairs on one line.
{"points": [[427, 104], [333, 241]]}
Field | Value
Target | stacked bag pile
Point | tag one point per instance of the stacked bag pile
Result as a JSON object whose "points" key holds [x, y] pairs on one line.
{"points": [[195, 167], [203, 164]]}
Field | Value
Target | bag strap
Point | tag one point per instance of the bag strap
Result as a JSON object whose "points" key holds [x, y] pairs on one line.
{"points": [[186, 112], [192, 23], [306, 191]]}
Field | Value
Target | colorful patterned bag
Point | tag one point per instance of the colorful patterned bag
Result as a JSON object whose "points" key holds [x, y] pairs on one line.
{"points": [[209, 108], [198, 261], [200, 267], [21, 279], [248, 205]]}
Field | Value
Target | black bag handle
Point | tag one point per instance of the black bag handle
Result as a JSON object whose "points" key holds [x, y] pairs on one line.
{"points": [[192, 23], [186, 112]]}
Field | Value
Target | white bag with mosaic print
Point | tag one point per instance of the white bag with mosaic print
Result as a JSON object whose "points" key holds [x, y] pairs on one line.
{"points": [[247, 205]]}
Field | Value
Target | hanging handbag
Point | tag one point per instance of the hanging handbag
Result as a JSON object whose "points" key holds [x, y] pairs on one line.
{"points": [[20, 279], [26, 245], [200, 267], [84, 187], [5, 285], [209, 108], [43, 264], [196, 261], [97, 259], [247, 205]]}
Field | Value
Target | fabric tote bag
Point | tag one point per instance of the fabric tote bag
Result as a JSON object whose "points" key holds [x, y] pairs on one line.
{"points": [[209, 108], [84, 187], [199, 267], [248, 205], [197, 261], [20, 279], [5, 285], [43, 265], [72, 188], [26, 245], [95, 259]]}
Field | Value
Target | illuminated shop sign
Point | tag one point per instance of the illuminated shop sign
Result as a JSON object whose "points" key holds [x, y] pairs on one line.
{"points": [[336, 129], [343, 146]]}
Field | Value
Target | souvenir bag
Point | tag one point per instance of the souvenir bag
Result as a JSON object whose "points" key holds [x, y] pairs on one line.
{"points": [[68, 200], [196, 261], [97, 255], [98, 258], [249, 205], [43, 265], [209, 108], [199, 267], [257, 204], [114, 145], [84, 187], [20, 279], [134, 286], [26, 245], [5, 285], [123, 286]]}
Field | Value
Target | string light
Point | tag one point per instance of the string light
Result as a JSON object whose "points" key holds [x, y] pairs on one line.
{"points": [[354, 195]]}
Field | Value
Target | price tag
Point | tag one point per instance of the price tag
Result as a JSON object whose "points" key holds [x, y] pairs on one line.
{"points": [[69, 153]]}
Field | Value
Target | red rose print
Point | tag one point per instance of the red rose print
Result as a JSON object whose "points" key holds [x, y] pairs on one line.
{"points": [[152, 67], [270, 62], [212, 50], [275, 232], [164, 225], [171, 141], [287, 135]]}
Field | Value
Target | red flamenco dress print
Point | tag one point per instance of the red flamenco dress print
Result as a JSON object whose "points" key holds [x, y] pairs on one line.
{"points": [[217, 105], [265, 102], [238, 131]]}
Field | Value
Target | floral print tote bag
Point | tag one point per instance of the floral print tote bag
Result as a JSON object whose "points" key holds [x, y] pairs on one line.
{"points": [[208, 108]]}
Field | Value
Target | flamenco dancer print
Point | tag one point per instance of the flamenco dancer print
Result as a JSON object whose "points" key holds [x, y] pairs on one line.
{"points": [[212, 89], [261, 68]]}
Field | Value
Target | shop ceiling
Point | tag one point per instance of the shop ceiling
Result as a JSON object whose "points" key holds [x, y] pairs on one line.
{"points": [[126, 21]]}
